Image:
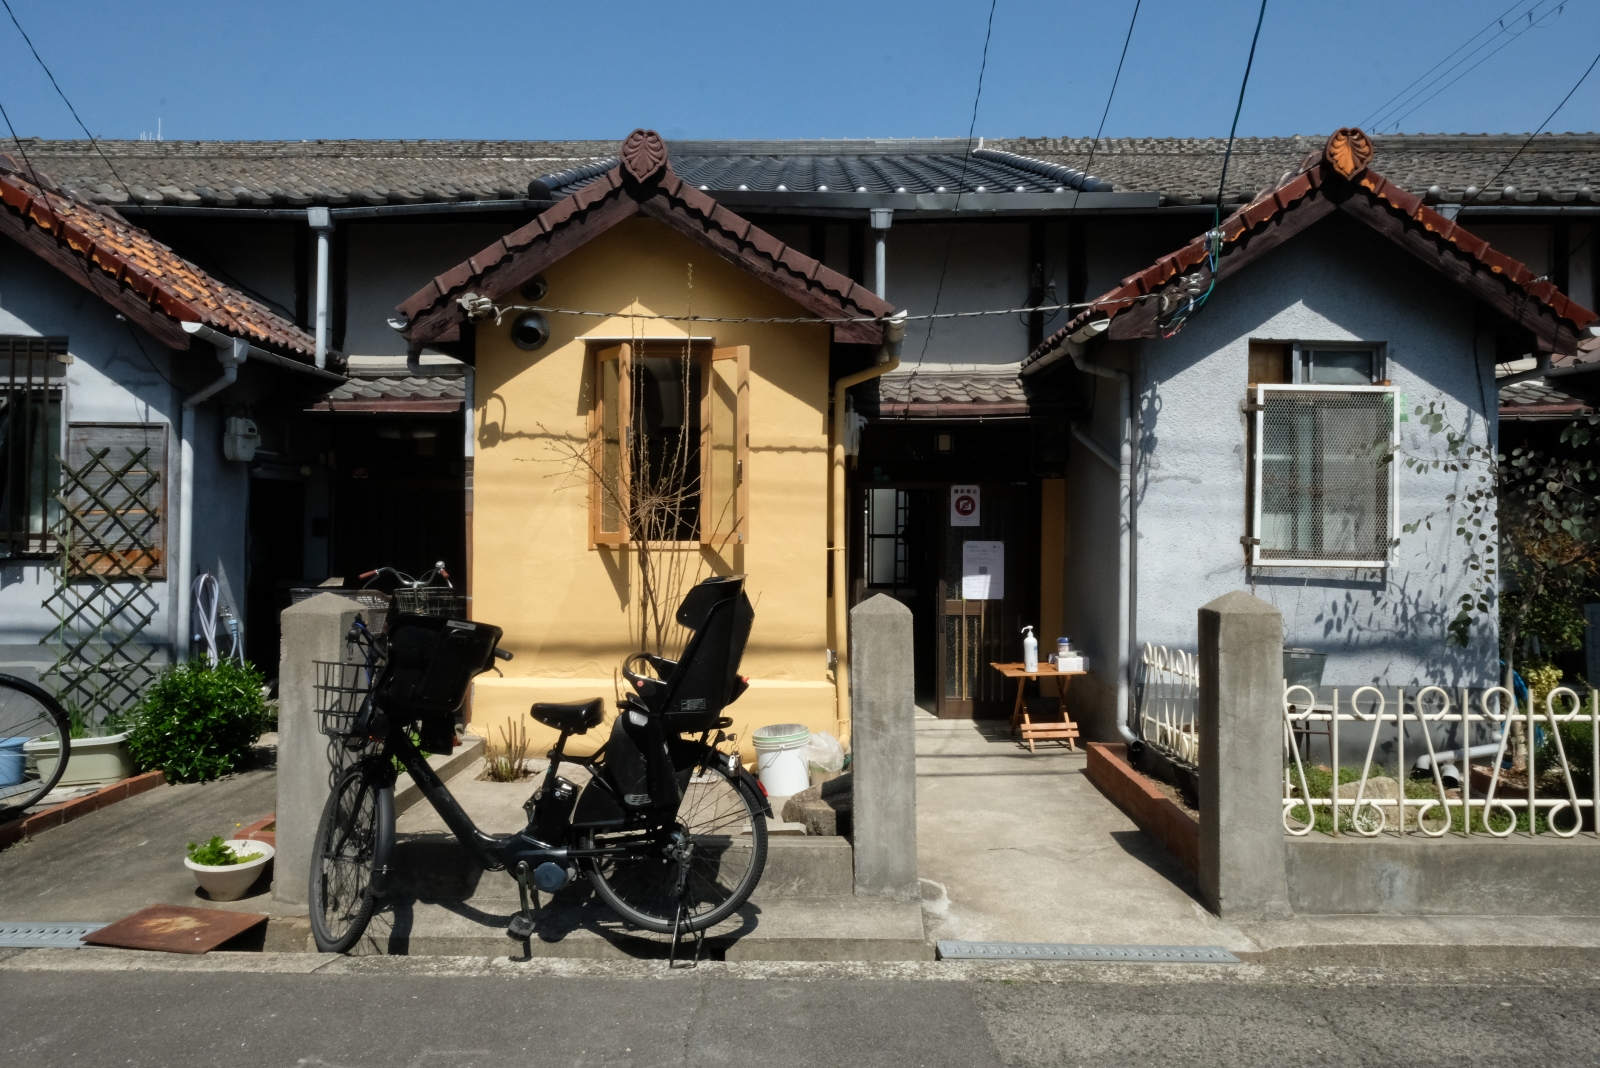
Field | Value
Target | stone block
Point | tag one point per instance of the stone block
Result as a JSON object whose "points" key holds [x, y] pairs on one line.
{"points": [[883, 758]]}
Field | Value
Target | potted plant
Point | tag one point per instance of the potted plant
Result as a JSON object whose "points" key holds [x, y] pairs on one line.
{"points": [[226, 869], [94, 759]]}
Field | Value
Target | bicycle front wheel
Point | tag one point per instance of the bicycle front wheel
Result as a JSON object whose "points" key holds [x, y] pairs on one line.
{"points": [[345, 857], [35, 742], [706, 861]]}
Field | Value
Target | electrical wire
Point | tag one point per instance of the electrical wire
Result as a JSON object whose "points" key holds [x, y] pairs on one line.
{"points": [[482, 308], [961, 182], [24, 152], [1095, 144], [1214, 238], [63, 96], [1546, 122]]}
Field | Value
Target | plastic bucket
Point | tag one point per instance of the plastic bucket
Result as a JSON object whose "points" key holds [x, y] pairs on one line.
{"points": [[11, 761], [781, 758]]}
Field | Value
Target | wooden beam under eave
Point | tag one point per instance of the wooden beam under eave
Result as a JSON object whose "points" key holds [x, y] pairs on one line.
{"points": [[1522, 308], [43, 244], [444, 318]]}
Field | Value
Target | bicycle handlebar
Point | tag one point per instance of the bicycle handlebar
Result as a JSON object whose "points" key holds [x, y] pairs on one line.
{"points": [[502, 654]]}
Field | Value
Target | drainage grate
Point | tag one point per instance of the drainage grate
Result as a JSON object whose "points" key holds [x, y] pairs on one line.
{"points": [[45, 935], [1064, 951]]}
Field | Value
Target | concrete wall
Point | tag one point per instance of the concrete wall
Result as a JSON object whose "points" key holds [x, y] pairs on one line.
{"points": [[1339, 282], [569, 611], [1414, 876], [117, 374], [987, 268]]}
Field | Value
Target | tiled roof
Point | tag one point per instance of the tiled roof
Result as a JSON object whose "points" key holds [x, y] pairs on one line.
{"points": [[408, 393], [951, 394], [1538, 398], [644, 182], [1337, 178], [1554, 169], [99, 249]]}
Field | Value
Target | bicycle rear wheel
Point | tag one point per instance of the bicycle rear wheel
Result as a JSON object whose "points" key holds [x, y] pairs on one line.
{"points": [[35, 742], [708, 859], [346, 854]]}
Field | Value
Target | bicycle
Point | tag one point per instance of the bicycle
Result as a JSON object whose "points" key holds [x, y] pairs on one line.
{"points": [[35, 744], [669, 829], [419, 596]]}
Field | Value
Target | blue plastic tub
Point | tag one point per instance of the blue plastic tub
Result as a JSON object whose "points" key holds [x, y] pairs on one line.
{"points": [[11, 761]]}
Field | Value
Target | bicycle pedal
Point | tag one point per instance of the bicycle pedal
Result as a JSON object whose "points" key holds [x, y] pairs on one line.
{"points": [[520, 928]]}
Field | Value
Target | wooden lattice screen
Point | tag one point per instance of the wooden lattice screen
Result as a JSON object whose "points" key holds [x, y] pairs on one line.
{"points": [[111, 541]]}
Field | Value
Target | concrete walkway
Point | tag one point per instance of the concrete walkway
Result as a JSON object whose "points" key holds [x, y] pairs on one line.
{"points": [[1020, 847]]}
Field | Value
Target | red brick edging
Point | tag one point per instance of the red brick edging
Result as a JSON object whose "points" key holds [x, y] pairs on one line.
{"points": [[1155, 813], [255, 832], [28, 826]]}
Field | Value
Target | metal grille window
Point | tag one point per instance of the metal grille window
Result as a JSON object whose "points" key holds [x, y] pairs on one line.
{"points": [[888, 558], [30, 441], [1322, 475]]}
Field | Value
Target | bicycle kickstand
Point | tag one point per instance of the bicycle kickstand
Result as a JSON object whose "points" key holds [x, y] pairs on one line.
{"points": [[521, 925], [677, 941]]}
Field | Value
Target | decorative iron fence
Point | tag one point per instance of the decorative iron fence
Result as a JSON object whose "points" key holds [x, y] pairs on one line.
{"points": [[1169, 703], [1542, 779]]}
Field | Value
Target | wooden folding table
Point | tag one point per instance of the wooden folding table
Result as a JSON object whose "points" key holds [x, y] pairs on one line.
{"points": [[1063, 732]]}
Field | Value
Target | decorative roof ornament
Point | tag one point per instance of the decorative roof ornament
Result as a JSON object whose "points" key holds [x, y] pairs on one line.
{"points": [[644, 156], [1348, 151]]}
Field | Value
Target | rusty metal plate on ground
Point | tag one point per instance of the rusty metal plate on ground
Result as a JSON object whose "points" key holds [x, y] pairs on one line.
{"points": [[175, 929]]}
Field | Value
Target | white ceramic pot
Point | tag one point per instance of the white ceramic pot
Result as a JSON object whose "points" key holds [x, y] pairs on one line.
{"points": [[90, 761], [228, 882]]}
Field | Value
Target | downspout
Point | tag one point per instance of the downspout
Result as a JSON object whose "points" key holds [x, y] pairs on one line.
{"points": [[1123, 465], [320, 221], [231, 352], [894, 332], [881, 219]]}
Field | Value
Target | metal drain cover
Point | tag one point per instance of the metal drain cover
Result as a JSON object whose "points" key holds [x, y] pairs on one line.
{"points": [[1066, 951], [45, 935]]}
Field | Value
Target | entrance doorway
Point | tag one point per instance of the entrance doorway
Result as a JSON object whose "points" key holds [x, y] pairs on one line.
{"points": [[965, 560]]}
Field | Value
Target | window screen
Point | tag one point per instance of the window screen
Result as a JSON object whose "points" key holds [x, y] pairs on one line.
{"points": [[1323, 476]]}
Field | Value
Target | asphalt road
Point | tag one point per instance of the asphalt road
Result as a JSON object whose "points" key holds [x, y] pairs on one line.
{"points": [[66, 1010]]}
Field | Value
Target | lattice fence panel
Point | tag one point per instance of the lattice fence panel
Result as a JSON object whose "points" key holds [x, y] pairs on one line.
{"points": [[111, 539]]}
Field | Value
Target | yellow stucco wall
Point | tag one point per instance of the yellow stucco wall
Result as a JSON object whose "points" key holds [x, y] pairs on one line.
{"points": [[566, 608]]}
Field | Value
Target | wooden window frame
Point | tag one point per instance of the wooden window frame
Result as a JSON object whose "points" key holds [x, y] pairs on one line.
{"points": [[624, 356]]}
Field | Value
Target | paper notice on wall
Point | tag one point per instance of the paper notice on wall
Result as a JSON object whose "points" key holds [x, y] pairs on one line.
{"points": [[964, 502], [983, 570]]}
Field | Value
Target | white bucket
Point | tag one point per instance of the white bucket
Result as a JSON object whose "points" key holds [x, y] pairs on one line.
{"points": [[781, 758]]}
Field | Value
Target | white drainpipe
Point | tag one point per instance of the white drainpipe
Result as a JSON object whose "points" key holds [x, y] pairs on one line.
{"points": [[882, 219], [320, 221], [231, 352]]}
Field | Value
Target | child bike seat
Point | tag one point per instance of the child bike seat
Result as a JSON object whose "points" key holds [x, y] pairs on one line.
{"points": [[574, 718]]}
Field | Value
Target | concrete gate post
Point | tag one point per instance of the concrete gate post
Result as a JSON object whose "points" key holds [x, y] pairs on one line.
{"points": [[883, 749], [313, 630], [1241, 759]]}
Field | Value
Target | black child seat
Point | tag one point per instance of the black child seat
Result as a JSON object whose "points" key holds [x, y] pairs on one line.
{"points": [[686, 696], [573, 718], [432, 661]]}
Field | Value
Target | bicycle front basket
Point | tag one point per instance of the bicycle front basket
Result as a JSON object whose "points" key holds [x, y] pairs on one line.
{"points": [[431, 601], [341, 691]]}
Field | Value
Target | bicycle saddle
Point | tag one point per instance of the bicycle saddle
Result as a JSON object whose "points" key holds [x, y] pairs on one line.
{"points": [[574, 718]]}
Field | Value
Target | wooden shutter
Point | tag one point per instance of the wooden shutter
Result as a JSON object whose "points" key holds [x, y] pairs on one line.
{"points": [[114, 487], [610, 423], [725, 448]]}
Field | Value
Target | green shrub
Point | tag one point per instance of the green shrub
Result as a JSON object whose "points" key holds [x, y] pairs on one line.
{"points": [[198, 721], [214, 853]]}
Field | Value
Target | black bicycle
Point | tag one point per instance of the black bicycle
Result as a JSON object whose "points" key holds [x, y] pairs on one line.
{"points": [[35, 744], [669, 829]]}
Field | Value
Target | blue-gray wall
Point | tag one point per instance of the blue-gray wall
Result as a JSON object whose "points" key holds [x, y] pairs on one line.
{"points": [[1337, 282], [118, 374]]}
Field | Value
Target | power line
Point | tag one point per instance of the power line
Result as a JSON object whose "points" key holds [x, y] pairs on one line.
{"points": [[1546, 121], [63, 97], [1401, 98], [24, 152], [480, 308], [960, 186], [1095, 144]]}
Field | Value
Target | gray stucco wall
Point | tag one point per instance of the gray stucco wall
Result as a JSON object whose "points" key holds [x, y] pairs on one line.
{"points": [[117, 374], [1338, 282]]}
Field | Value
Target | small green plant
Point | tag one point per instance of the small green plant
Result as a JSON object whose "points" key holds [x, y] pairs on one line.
{"points": [[214, 853], [507, 758], [198, 721]]}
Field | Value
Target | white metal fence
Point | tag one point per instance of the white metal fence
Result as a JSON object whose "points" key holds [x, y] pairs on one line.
{"points": [[1169, 702], [1539, 795]]}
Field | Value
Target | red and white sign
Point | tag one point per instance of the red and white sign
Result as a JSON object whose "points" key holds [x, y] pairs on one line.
{"points": [[964, 506]]}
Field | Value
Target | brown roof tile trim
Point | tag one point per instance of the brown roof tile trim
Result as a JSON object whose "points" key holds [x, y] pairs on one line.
{"points": [[642, 183], [1323, 174], [123, 259]]}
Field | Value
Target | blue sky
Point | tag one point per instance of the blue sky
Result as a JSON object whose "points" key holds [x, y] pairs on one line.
{"points": [[293, 70]]}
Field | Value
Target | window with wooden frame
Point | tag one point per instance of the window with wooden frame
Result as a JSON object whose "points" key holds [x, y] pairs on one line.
{"points": [[32, 370], [669, 443]]}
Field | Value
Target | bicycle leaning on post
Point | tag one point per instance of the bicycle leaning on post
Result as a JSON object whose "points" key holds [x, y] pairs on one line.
{"points": [[35, 745], [669, 829]]}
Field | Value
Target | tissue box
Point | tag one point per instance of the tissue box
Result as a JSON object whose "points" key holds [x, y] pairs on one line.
{"points": [[1075, 662]]}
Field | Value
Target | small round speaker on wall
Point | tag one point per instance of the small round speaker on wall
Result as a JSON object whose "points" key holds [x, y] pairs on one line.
{"points": [[534, 288], [530, 331]]}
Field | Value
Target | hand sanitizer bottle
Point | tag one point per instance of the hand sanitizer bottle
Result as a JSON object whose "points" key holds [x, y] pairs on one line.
{"points": [[1030, 650]]}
